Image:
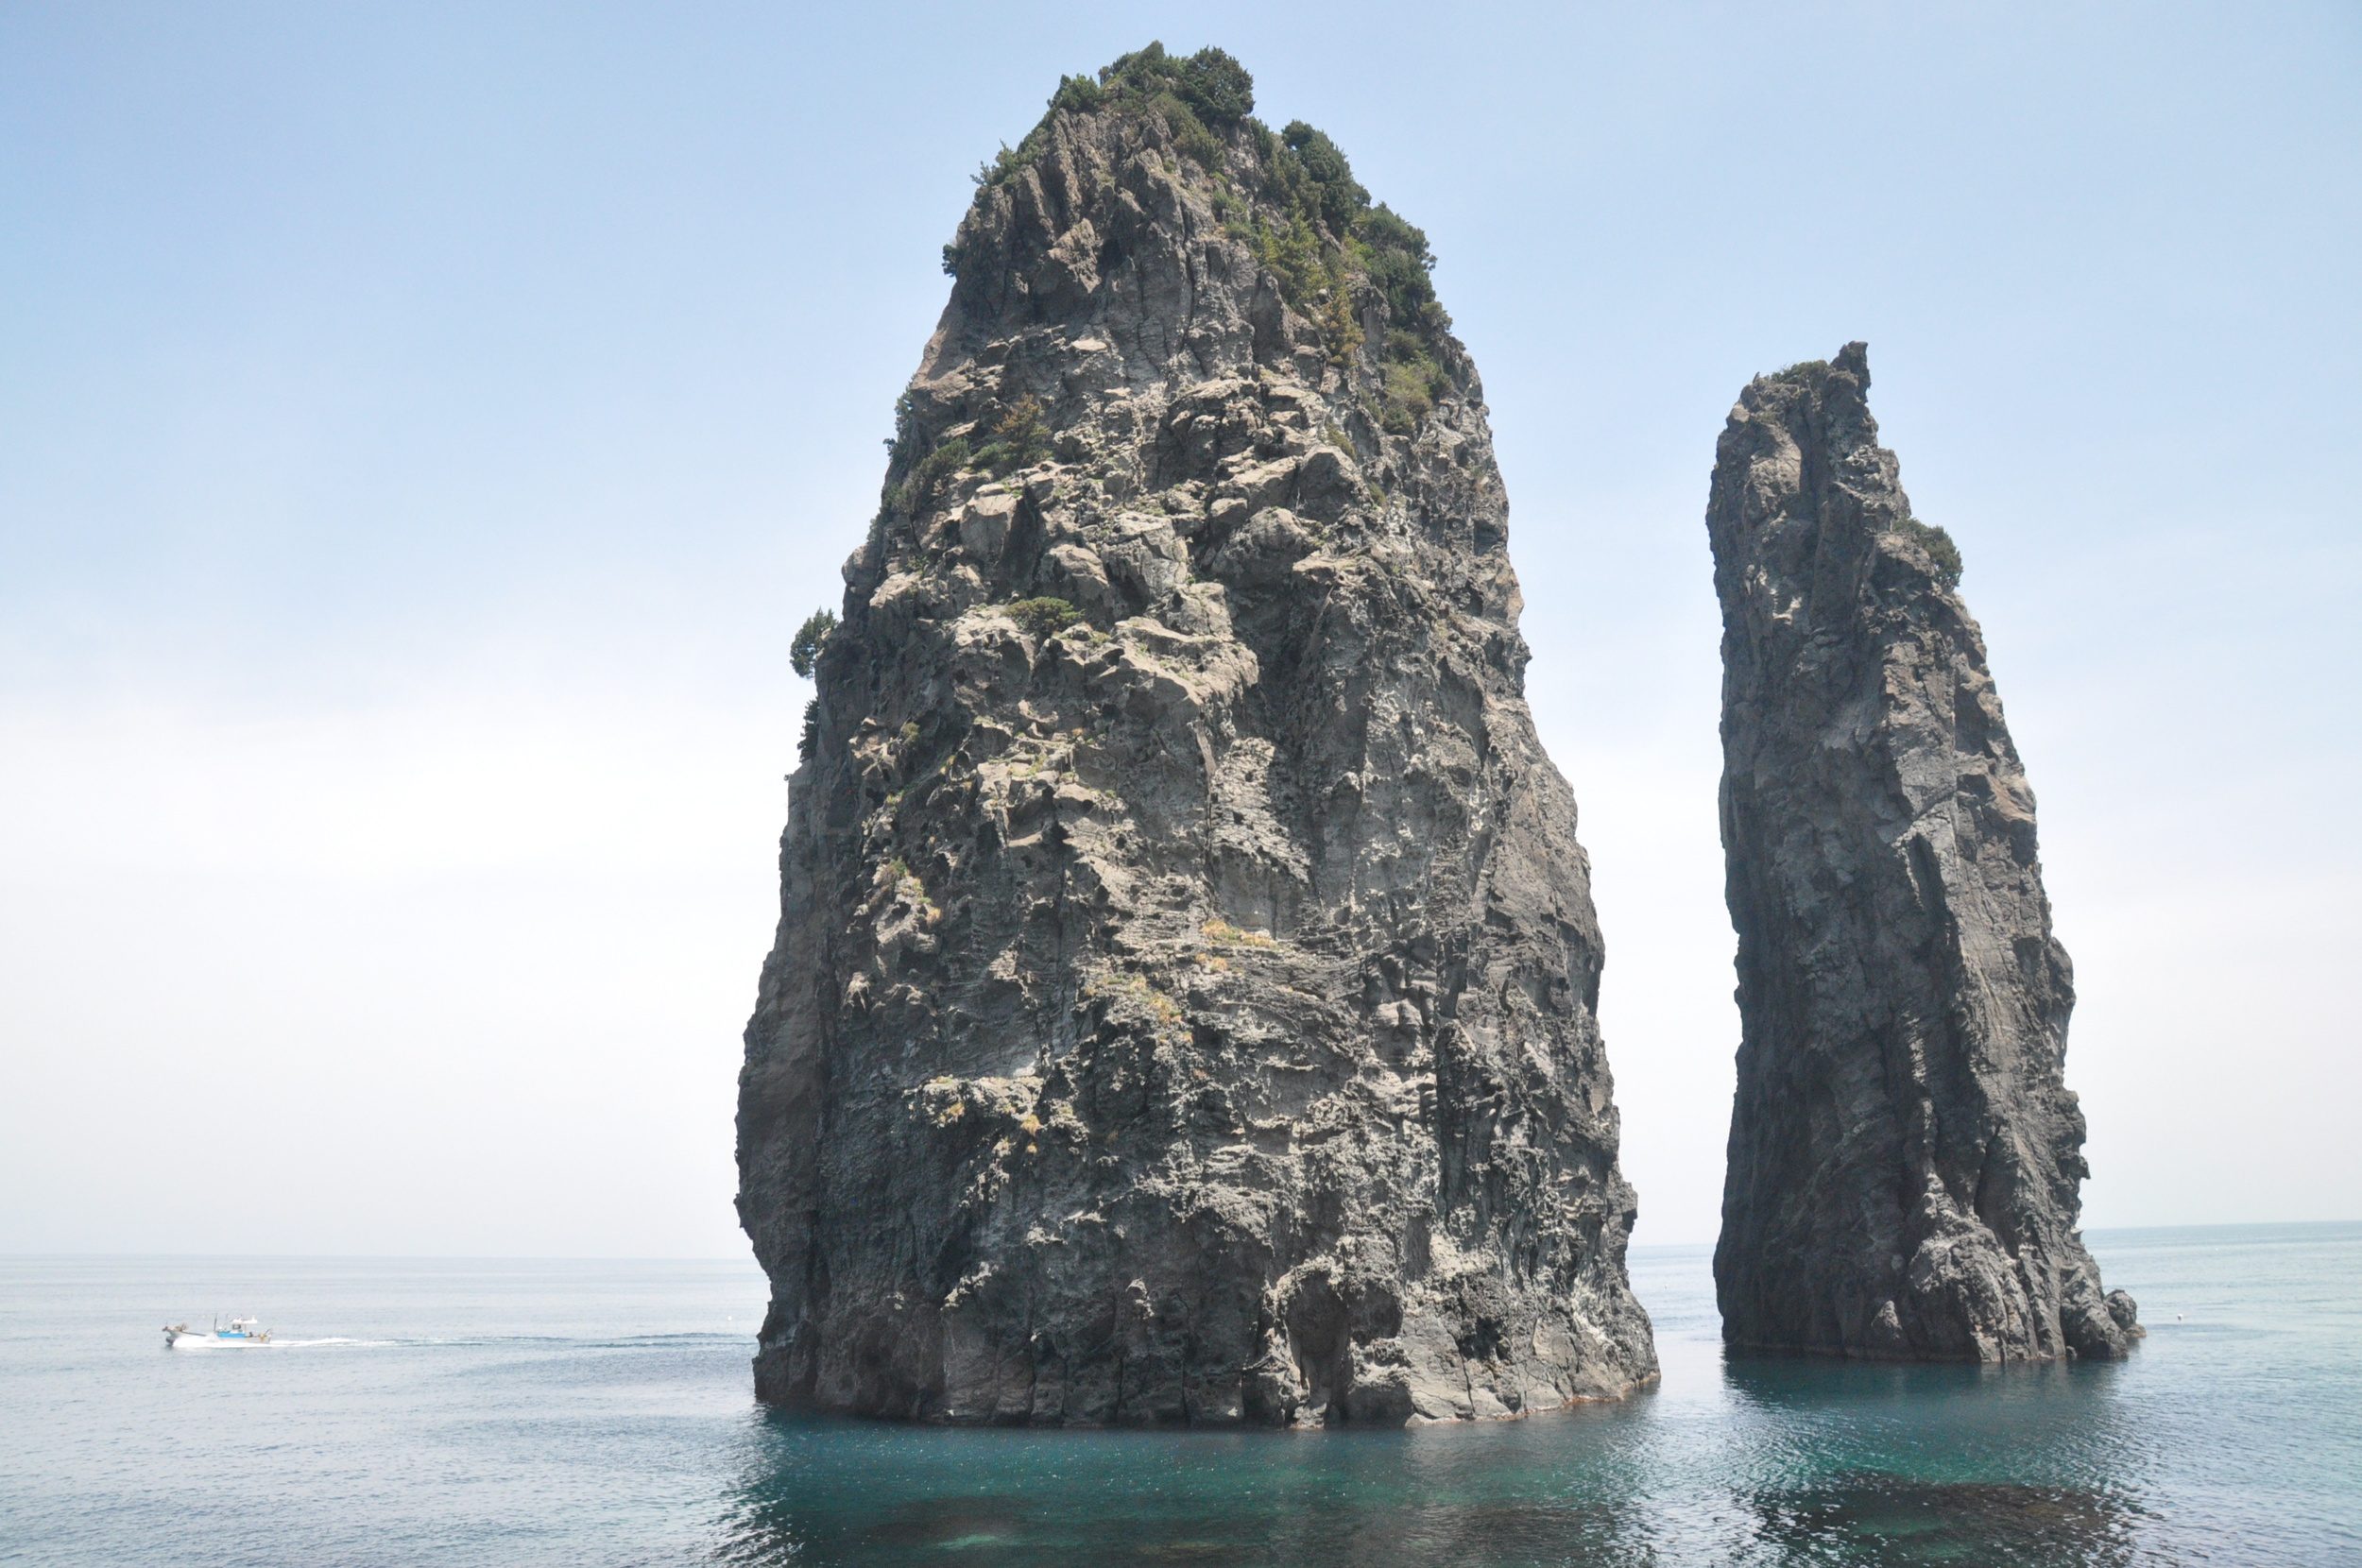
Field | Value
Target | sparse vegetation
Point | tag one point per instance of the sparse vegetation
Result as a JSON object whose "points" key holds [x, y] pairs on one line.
{"points": [[1044, 617], [1197, 96], [808, 744], [1221, 933], [1939, 546], [1311, 222], [897, 444], [917, 489], [913, 474], [1015, 438], [1412, 384], [1333, 249], [804, 651], [945, 1097], [1401, 268], [1107, 985]]}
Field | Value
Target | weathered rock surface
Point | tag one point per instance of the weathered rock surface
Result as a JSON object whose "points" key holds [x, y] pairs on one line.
{"points": [[1904, 1156], [1184, 1011]]}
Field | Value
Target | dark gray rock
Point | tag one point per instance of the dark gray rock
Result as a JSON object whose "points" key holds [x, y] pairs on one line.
{"points": [[1904, 1156], [1183, 1002]]}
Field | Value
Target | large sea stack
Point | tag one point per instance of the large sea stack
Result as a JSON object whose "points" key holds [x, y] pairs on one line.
{"points": [[1183, 1007], [1905, 1155]]}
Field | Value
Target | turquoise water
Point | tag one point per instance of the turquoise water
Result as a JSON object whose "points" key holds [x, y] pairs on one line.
{"points": [[530, 1413]]}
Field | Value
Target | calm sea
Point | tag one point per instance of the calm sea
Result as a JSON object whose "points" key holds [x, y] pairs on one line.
{"points": [[423, 1412]]}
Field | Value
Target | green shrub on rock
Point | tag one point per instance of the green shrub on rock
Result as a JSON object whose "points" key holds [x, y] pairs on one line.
{"points": [[1015, 438], [1336, 194], [1198, 97], [1401, 269], [912, 495], [805, 649], [1044, 617], [1306, 217], [1939, 546], [1077, 95], [1214, 86]]}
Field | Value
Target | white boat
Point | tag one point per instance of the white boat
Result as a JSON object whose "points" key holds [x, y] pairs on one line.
{"points": [[242, 1333]]}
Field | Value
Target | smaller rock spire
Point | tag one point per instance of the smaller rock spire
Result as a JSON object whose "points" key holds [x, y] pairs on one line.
{"points": [[1904, 1156]]}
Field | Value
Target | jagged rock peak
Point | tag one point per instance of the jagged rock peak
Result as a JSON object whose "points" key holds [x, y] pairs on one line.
{"points": [[1904, 1156], [1183, 1004]]}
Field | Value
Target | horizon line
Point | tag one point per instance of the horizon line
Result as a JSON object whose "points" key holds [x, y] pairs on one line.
{"points": [[12, 1255]]}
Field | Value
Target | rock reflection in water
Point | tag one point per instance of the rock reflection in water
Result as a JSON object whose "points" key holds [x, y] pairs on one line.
{"points": [[820, 1491], [1748, 1463], [988, 1530], [1798, 1382], [1891, 1518]]}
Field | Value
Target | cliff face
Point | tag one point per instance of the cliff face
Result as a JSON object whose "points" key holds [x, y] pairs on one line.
{"points": [[1904, 1156], [1182, 1007]]}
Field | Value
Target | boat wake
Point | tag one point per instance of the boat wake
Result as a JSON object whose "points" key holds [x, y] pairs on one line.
{"points": [[333, 1340]]}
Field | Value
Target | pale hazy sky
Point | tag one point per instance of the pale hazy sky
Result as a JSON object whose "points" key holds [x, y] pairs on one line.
{"points": [[421, 429]]}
